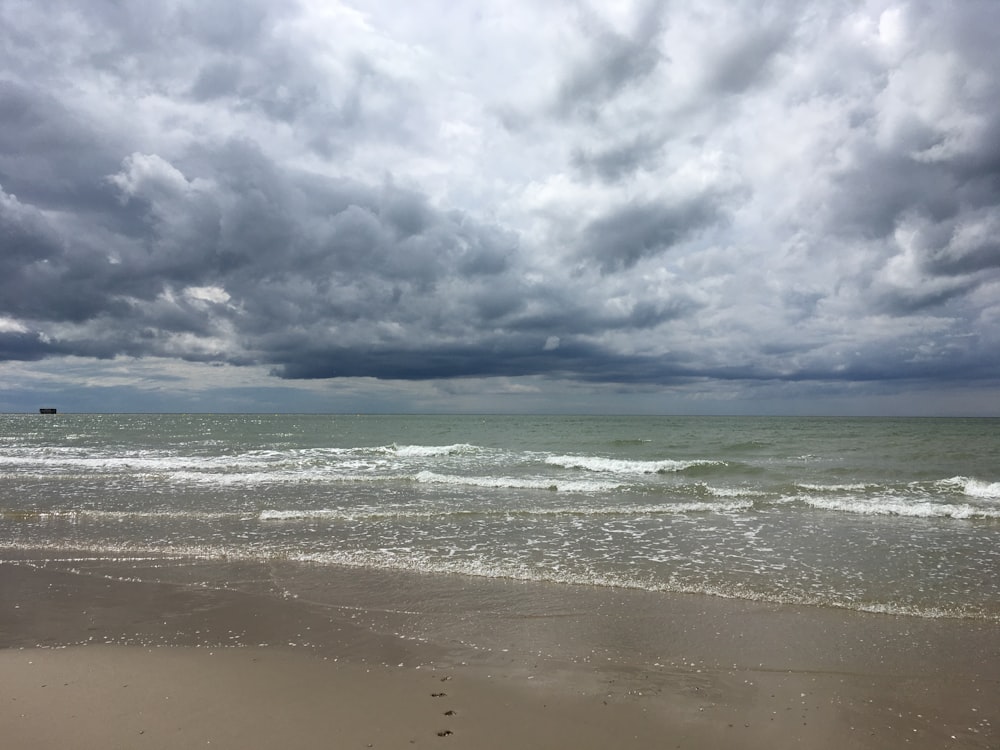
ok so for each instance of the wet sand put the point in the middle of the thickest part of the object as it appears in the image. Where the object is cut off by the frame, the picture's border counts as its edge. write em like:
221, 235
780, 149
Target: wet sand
91, 659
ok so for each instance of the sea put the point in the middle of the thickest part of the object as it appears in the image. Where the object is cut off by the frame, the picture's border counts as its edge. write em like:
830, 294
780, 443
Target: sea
894, 516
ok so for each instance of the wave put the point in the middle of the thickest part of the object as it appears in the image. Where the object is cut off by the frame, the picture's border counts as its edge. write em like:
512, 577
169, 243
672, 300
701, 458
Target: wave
430, 451
154, 463
973, 487
386, 559
519, 571
855, 487
31, 515
901, 507
157, 461
732, 491
517, 483
335, 475
93, 463
333, 514
626, 466
287, 476
915, 499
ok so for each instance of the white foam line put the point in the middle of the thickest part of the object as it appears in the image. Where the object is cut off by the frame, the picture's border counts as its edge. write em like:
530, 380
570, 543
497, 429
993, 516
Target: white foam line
859, 487
910, 509
387, 560
542, 483
973, 487
564, 511
623, 466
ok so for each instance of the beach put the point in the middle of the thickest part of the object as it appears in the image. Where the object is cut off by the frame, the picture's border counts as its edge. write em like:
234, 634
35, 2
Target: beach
260, 581
95, 657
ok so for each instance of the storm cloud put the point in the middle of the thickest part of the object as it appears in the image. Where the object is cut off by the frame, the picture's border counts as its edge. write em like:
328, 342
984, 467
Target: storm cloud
658, 195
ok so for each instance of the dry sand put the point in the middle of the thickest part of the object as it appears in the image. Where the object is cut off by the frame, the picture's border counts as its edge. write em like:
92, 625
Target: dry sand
89, 662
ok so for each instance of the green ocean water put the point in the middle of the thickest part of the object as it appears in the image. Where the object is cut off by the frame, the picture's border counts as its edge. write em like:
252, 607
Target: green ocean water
886, 515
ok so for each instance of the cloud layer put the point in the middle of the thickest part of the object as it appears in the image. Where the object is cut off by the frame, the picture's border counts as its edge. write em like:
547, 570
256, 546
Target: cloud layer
655, 195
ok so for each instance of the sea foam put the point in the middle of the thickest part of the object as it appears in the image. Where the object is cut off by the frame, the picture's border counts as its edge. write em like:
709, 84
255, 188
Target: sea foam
625, 466
430, 451
901, 507
974, 487
522, 483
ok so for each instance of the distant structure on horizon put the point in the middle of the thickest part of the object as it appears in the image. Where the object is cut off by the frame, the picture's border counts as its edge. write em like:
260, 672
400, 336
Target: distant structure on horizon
46, 410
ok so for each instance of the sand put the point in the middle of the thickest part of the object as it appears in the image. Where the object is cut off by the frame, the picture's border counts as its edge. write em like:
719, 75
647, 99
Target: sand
88, 661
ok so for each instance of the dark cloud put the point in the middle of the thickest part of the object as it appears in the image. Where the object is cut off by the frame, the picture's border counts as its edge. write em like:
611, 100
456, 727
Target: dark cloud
614, 62
746, 61
565, 314
51, 155
690, 195
914, 299
870, 198
619, 160
512, 357
23, 346
626, 235
276, 250
956, 246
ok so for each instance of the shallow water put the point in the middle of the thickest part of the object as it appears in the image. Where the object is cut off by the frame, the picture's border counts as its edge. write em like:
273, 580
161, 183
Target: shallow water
883, 515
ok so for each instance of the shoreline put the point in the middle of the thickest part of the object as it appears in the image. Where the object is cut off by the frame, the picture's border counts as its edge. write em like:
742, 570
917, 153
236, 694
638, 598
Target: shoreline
538, 665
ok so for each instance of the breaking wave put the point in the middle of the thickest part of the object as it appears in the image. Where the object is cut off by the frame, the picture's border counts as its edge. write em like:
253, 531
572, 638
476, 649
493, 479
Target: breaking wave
625, 466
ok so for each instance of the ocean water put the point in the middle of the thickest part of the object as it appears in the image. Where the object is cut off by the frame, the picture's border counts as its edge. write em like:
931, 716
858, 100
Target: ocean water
900, 516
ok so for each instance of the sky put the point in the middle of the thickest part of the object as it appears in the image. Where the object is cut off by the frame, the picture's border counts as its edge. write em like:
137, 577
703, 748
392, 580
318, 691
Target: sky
680, 207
